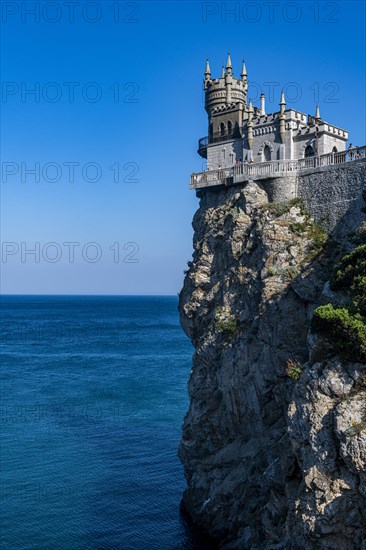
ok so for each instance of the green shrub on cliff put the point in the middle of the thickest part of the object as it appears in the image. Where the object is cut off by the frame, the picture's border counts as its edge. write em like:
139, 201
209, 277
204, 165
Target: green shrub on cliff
350, 275
299, 228
318, 236
225, 322
314, 232
346, 326
346, 331
293, 369
350, 267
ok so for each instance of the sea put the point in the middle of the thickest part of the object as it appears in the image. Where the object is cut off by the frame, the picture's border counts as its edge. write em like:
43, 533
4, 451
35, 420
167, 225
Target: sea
93, 396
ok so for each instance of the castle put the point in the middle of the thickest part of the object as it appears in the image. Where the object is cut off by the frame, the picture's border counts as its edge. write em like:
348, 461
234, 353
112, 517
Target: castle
237, 131
287, 153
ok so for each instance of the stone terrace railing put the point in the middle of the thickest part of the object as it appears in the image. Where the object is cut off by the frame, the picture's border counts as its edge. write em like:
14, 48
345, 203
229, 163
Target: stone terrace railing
246, 170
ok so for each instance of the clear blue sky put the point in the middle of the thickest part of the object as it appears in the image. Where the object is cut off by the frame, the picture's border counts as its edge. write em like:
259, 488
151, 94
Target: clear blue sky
158, 51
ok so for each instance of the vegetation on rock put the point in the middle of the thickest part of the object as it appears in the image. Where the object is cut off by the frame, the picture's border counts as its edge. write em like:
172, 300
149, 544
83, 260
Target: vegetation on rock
345, 327
346, 331
280, 208
309, 228
293, 369
225, 322
350, 275
357, 427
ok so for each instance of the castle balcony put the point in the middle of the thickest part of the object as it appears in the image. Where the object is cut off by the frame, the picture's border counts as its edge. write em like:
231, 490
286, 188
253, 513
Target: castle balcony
216, 137
243, 172
202, 147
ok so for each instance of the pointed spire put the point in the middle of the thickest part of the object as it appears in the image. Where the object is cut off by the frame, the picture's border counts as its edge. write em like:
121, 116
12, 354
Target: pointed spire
263, 104
250, 106
282, 118
282, 102
228, 63
243, 71
223, 72
207, 70
317, 111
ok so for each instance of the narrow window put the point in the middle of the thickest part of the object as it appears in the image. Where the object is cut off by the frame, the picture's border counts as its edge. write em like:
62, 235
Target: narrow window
266, 153
309, 151
222, 129
229, 127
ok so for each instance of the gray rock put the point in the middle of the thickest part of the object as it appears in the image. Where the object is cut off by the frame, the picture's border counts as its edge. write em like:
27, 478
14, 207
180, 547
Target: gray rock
270, 462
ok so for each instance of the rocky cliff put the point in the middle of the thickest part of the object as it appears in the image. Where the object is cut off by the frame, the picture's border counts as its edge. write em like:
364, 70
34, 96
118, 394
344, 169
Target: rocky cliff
274, 442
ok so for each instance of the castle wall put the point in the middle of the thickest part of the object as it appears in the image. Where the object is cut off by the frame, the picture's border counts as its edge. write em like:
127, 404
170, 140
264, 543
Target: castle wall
279, 189
331, 192
234, 115
266, 131
327, 142
225, 154
333, 195
301, 142
295, 143
268, 135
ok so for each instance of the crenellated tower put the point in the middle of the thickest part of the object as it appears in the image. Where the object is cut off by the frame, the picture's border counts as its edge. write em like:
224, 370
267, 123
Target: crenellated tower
225, 104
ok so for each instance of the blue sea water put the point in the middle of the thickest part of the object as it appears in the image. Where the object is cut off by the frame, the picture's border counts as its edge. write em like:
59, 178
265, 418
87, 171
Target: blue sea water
93, 394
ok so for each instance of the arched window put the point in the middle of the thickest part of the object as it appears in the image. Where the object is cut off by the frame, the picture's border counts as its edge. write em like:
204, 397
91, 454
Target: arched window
222, 129
334, 150
309, 151
229, 127
266, 153
211, 131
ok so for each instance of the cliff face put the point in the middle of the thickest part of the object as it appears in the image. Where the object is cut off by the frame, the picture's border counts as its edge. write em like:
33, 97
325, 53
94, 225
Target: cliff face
274, 442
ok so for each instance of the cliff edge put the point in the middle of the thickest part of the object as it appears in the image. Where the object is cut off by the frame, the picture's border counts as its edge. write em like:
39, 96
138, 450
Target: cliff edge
274, 442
